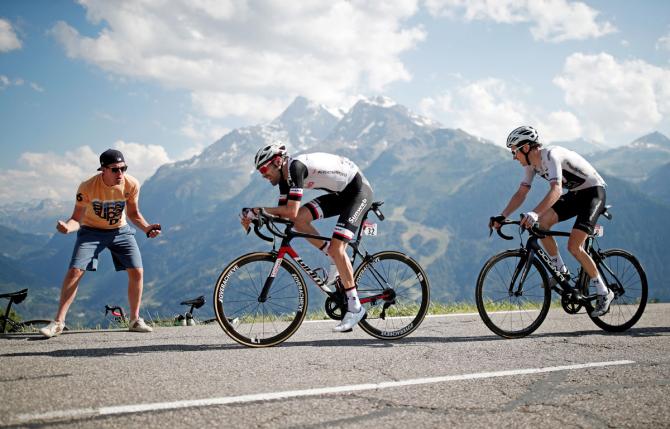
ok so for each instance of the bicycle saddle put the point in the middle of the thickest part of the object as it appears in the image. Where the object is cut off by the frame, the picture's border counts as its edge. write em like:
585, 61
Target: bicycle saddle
195, 302
17, 296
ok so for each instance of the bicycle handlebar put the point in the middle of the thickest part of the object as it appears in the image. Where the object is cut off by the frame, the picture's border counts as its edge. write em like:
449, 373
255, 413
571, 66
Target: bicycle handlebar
116, 311
535, 230
270, 221
502, 224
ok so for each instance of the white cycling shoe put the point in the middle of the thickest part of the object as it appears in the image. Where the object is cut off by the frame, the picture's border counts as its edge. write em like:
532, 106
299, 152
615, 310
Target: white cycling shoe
350, 320
603, 304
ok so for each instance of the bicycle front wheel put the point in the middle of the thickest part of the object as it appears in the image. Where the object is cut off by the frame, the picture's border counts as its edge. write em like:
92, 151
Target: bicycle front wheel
395, 292
240, 313
624, 275
506, 307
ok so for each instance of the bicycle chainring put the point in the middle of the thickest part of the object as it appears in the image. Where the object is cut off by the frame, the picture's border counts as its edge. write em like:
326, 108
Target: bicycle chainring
570, 305
336, 306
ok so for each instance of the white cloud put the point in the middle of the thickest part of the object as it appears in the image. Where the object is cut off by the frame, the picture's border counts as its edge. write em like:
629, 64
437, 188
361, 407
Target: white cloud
202, 130
491, 108
9, 41
47, 175
663, 43
559, 126
615, 98
237, 57
56, 176
36, 87
142, 160
552, 20
6, 82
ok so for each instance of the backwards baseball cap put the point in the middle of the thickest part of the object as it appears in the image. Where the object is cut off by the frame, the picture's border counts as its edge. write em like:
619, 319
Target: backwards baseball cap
110, 156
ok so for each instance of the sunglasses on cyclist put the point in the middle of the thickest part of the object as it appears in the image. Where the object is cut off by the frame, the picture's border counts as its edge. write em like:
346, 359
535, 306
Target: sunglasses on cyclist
516, 149
264, 168
117, 169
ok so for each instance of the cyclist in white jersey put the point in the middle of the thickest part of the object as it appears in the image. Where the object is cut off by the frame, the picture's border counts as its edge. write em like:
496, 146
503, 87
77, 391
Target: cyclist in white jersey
348, 194
585, 199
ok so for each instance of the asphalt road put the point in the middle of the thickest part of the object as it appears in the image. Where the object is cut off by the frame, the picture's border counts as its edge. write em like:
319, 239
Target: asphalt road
451, 371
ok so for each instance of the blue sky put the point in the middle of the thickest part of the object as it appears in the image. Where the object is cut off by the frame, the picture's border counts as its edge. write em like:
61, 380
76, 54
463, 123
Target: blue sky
161, 80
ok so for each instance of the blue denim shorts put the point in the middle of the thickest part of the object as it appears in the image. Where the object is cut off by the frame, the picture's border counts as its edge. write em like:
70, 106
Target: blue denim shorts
120, 242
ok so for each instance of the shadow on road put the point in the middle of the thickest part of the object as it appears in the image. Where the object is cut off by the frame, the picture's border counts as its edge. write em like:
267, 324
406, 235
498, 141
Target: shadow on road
330, 342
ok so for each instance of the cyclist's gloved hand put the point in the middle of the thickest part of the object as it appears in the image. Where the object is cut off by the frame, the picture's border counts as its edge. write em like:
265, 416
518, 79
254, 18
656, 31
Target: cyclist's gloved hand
246, 217
495, 221
248, 213
529, 219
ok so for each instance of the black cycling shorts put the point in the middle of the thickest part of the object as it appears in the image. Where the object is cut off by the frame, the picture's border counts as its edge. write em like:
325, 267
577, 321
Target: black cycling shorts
587, 204
351, 204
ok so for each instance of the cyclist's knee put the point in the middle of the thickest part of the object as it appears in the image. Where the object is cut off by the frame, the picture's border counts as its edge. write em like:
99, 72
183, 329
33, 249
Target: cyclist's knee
135, 273
304, 217
576, 242
75, 273
575, 247
548, 219
337, 247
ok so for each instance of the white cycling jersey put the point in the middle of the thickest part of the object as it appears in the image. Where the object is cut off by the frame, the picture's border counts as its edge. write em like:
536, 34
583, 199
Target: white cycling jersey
322, 171
318, 170
568, 168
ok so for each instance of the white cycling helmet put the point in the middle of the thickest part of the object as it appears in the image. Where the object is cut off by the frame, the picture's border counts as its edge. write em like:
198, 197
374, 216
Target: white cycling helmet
268, 152
526, 135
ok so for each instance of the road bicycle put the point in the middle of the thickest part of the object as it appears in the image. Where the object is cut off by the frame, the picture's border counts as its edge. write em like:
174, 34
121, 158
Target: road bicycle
514, 287
260, 299
8, 324
116, 312
188, 318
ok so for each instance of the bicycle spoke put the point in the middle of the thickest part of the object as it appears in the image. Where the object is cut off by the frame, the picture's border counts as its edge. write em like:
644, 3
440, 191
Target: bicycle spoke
259, 324
511, 312
401, 295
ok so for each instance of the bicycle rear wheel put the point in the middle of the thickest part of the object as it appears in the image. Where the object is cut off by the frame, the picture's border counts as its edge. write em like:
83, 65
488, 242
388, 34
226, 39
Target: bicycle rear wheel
395, 292
624, 275
503, 309
254, 323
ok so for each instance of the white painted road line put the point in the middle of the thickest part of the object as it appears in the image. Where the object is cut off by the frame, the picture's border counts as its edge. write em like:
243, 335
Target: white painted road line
270, 396
430, 316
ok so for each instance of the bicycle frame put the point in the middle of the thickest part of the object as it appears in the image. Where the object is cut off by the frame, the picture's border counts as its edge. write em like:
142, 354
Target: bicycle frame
16, 297
285, 249
534, 250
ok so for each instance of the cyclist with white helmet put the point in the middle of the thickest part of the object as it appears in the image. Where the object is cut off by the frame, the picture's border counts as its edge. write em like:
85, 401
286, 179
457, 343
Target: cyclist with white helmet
348, 194
584, 199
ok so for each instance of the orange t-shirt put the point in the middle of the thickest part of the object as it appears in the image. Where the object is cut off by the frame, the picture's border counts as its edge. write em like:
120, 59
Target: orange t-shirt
105, 205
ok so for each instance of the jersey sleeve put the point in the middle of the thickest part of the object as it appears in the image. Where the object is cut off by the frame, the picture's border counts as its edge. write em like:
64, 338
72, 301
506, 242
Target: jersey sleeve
528, 175
554, 169
83, 196
283, 193
297, 173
